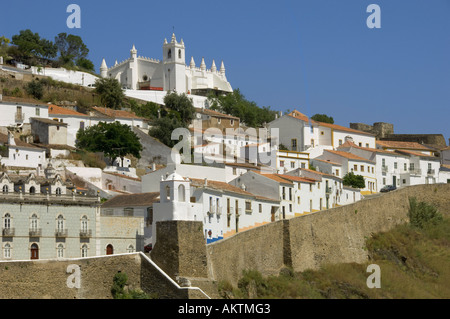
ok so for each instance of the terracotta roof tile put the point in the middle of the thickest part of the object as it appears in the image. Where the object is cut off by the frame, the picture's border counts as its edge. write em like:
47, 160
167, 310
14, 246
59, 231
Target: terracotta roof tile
116, 113
58, 110
139, 199
402, 145
349, 156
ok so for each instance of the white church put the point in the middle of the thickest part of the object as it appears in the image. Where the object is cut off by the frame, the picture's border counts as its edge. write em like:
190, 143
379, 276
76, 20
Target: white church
138, 75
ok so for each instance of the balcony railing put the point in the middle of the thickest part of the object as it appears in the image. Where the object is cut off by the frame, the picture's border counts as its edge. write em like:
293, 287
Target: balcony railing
61, 233
19, 116
384, 169
328, 190
415, 171
431, 171
85, 233
35, 232
8, 232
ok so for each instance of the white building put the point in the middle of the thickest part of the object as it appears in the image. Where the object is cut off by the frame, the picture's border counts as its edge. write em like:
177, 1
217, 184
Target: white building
68, 76
224, 209
356, 164
297, 132
423, 169
16, 153
16, 112
170, 73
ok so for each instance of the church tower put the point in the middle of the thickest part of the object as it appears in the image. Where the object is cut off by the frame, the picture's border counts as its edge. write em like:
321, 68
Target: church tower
174, 65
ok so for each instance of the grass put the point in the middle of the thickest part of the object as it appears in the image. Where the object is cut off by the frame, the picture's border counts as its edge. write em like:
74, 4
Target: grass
414, 261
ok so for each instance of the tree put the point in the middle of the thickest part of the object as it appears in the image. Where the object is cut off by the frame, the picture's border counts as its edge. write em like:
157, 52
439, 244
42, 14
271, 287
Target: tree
30, 44
163, 128
113, 139
323, 118
181, 104
110, 92
237, 105
85, 64
356, 181
71, 48
35, 88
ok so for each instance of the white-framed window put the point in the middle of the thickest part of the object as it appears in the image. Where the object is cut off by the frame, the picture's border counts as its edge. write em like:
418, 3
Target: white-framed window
60, 250
34, 222
7, 251
7, 221
60, 223
84, 250
5, 189
84, 223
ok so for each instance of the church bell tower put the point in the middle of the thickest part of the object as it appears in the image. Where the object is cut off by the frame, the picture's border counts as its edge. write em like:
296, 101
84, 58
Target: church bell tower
174, 65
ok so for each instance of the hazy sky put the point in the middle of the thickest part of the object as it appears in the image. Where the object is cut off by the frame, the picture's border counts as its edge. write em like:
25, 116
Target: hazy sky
316, 56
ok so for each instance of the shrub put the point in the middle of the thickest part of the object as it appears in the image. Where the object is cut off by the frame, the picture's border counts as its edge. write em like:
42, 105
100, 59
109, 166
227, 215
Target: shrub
35, 89
422, 214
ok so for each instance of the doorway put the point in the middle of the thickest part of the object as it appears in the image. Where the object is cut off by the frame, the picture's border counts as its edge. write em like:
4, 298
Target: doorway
109, 249
34, 251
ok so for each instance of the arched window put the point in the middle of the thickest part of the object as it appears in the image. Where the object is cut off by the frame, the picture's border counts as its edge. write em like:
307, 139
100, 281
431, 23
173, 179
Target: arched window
168, 192
5, 189
58, 191
34, 251
60, 223
179, 53
32, 190
60, 250
84, 250
7, 221
34, 223
109, 249
169, 54
7, 251
181, 193
84, 223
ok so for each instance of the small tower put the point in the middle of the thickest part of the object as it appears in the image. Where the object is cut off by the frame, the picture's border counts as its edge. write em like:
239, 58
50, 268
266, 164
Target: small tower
103, 69
174, 65
203, 65
213, 67
192, 64
222, 69
132, 72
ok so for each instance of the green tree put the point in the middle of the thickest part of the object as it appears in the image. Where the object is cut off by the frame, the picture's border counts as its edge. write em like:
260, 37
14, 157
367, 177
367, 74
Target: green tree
323, 118
30, 44
35, 88
110, 92
4, 45
85, 64
181, 104
71, 48
113, 139
163, 127
356, 181
237, 105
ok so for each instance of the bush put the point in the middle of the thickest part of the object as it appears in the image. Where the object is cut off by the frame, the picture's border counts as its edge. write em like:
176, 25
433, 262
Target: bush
118, 290
35, 89
422, 214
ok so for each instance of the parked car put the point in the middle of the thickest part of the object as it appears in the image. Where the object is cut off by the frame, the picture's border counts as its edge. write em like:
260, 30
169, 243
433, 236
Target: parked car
148, 248
388, 188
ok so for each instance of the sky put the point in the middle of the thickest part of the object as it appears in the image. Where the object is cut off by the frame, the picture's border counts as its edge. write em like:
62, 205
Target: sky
316, 56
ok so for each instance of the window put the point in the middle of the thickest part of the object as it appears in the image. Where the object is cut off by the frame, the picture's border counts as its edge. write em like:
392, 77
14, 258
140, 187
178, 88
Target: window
168, 192
322, 133
58, 191
60, 250
231, 122
7, 221
362, 168
60, 223
234, 171
260, 208
337, 172
179, 53
7, 251
281, 163
38, 111
283, 192
149, 216
219, 120
384, 180
355, 168
372, 170
169, 54
292, 164
310, 187
395, 165
84, 250
298, 200
359, 144
405, 167
248, 206
290, 208
294, 144
340, 142
34, 223
367, 145
383, 162
128, 211
84, 223
181, 193
82, 125
5, 189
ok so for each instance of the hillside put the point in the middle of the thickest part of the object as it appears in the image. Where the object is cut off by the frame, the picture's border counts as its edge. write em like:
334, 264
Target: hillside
413, 262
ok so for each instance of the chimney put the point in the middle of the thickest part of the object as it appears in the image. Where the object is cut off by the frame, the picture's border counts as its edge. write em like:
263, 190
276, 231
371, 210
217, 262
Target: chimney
206, 182
153, 167
243, 187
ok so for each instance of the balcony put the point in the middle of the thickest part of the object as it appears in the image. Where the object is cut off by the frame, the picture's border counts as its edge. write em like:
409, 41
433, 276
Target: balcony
8, 232
219, 210
19, 116
415, 171
61, 233
384, 169
35, 232
431, 172
86, 233
328, 190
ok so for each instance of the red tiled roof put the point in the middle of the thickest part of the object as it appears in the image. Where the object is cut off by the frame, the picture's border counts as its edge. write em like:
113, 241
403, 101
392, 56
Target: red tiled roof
402, 145
116, 113
298, 178
58, 110
349, 156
